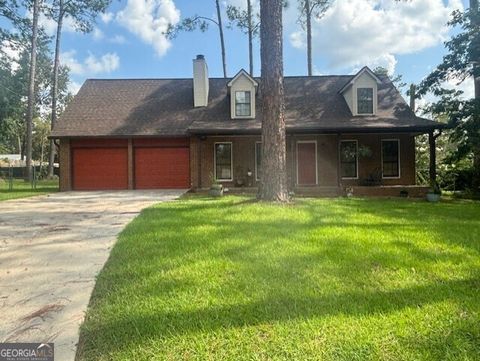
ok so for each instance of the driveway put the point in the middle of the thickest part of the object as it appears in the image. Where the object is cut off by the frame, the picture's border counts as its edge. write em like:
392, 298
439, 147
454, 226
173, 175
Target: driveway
51, 249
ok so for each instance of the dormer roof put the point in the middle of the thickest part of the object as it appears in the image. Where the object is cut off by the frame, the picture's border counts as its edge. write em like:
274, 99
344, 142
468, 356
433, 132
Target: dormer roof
242, 72
365, 69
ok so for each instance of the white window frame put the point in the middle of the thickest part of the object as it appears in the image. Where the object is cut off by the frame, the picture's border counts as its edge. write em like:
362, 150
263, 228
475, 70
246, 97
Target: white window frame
215, 161
399, 157
373, 100
316, 161
340, 157
235, 104
257, 178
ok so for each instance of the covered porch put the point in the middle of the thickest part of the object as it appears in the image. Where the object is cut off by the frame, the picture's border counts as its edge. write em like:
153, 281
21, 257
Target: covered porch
333, 164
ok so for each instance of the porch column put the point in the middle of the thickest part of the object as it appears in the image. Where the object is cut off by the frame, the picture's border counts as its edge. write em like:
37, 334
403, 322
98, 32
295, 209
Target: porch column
195, 162
433, 157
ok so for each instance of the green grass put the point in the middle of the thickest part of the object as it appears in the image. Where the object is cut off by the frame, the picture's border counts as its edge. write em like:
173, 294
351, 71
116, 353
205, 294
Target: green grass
22, 189
321, 279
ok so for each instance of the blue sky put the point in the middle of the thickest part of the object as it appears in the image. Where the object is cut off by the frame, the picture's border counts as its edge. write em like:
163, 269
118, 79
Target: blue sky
406, 37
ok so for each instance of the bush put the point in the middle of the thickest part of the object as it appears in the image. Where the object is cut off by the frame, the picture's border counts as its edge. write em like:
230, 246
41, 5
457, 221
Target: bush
454, 179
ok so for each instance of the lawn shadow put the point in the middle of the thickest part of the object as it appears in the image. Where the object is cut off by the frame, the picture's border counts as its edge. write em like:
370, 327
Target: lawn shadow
310, 243
277, 307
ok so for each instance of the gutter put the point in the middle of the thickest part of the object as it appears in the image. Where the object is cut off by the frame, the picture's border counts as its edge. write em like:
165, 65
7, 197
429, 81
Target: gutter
292, 130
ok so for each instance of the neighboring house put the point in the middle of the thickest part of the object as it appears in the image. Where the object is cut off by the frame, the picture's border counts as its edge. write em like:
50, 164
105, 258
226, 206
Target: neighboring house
342, 131
7, 160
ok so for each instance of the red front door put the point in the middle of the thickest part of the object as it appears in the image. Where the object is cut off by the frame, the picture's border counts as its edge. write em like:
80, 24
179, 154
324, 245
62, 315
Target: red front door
307, 163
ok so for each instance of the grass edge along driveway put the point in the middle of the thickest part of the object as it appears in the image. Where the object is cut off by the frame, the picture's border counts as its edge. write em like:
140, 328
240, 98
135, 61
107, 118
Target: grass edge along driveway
329, 279
22, 189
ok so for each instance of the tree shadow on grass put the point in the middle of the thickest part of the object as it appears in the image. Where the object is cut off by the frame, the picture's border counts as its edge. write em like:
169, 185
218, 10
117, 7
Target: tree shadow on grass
194, 232
134, 328
188, 234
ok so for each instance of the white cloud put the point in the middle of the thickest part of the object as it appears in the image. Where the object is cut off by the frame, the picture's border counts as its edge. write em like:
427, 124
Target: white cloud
50, 26
467, 87
297, 39
118, 39
354, 33
68, 58
106, 17
149, 20
242, 4
74, 87
11, 53
91, 65
105, 64
97, 34
387, 61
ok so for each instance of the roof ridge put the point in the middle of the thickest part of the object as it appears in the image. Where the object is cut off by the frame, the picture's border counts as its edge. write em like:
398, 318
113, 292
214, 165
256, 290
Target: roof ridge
221, 78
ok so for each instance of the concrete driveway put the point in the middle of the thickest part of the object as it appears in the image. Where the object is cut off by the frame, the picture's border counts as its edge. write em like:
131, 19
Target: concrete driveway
51, 249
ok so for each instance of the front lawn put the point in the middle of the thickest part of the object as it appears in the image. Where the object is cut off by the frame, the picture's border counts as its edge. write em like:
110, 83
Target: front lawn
321, 279
22, 189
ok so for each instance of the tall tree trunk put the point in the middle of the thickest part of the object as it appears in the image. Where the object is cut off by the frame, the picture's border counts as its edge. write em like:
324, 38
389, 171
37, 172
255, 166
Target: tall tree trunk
308, 13
31, 88
56, 65
222, 40
250, 37
273, 185
474, 8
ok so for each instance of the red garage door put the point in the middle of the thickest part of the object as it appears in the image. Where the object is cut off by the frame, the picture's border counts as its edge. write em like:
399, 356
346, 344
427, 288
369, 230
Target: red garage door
99, 168
162, 167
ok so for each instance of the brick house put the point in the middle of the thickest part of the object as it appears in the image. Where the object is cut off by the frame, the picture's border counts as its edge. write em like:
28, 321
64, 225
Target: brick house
342, 131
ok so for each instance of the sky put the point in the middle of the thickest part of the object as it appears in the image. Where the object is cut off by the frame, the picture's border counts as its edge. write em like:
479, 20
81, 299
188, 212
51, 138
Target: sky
128, 40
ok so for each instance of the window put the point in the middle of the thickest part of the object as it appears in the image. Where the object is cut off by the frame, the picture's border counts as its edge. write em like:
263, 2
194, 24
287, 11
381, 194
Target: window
365, 100
348, 158
258, 160
223, 161
390, 158
243, 104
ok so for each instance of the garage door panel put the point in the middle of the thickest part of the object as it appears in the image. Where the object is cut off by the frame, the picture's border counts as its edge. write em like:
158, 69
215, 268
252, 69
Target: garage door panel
162, 168
100, 168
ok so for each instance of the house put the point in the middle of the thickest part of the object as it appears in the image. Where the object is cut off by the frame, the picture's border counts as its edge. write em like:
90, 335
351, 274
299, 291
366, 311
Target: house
342, 131
10, 159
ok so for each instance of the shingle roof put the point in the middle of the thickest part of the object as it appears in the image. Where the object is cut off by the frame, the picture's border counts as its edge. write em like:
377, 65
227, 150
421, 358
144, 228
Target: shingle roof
149, 107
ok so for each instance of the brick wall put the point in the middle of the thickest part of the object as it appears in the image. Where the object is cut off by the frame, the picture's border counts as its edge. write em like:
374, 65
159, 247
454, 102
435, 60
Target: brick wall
373, 164
243, 155
243, 148
65, 182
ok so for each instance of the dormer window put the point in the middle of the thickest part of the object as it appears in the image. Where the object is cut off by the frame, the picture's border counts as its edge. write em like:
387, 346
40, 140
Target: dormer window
361, 92
243, 104
242, 89
365, 100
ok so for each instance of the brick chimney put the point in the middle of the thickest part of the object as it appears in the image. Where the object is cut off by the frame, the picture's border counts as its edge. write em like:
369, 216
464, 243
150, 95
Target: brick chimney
200, 82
